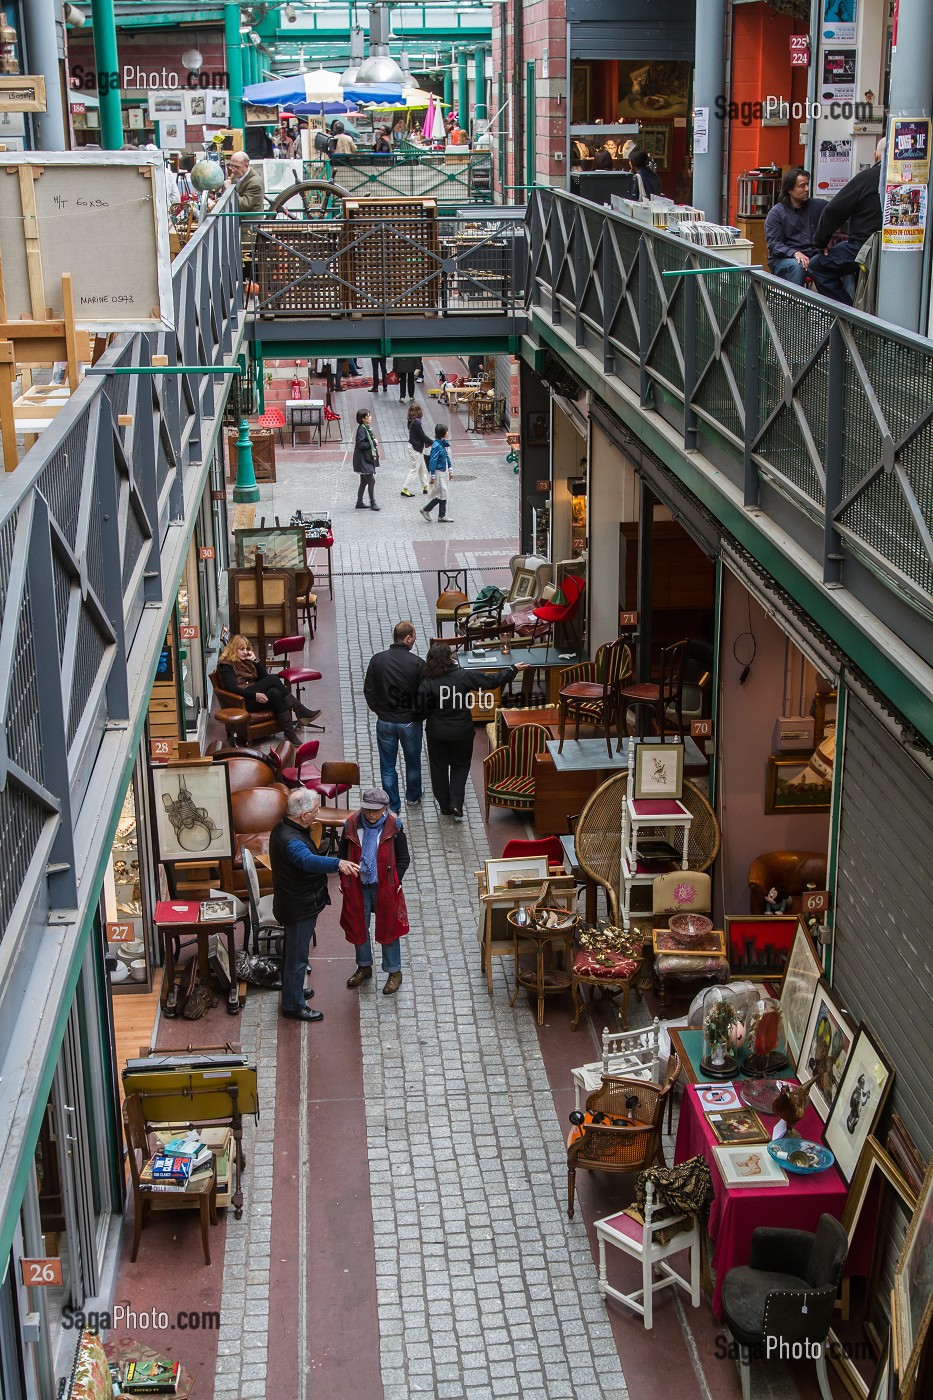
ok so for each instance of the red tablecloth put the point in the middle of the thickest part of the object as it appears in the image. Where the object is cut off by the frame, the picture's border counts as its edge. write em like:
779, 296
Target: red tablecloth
736, 1211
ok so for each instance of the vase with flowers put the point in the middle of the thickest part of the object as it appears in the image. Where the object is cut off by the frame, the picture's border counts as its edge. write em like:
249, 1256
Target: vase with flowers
723, 1034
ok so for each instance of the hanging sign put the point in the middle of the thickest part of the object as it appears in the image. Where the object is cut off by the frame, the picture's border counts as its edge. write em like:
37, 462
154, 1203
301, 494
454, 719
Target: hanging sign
839, 18
700, 131
800, 51
188, 631
120, 933
206, 551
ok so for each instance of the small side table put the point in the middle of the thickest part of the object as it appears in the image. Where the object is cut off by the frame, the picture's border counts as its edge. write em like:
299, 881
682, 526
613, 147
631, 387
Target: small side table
176, 917
543, 981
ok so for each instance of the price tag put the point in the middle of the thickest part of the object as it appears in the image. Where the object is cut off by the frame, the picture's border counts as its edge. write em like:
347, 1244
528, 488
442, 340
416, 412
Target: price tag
628, 619
160, 750
42, 1273
188, 631
120, 933
815, 901
701, 729
206, 551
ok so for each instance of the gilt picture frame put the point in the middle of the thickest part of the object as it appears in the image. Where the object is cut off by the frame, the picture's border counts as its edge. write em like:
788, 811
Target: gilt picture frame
824, 1052
802, 973
913, 1287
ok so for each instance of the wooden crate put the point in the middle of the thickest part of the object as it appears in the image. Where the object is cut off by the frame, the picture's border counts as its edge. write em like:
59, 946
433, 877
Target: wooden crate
263, 444
288, 280
391, 255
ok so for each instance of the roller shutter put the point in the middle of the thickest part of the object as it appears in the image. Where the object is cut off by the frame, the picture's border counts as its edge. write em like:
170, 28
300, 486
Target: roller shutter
883, 947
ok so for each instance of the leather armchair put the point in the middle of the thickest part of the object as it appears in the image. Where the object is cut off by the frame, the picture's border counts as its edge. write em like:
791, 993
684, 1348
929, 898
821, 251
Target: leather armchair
786, 1292
242, 726
790, 871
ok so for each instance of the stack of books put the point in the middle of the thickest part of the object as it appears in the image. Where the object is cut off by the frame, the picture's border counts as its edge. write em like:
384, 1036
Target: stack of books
182, 1161
158, 1377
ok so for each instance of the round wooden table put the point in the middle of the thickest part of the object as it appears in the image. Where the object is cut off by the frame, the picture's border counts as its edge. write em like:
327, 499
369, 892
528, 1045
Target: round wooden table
543, 981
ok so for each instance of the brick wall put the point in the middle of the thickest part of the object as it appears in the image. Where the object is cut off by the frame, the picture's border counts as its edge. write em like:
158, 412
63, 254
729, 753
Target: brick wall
151, 51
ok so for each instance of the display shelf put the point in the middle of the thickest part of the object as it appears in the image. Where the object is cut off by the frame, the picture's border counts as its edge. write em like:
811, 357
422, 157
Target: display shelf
666, 817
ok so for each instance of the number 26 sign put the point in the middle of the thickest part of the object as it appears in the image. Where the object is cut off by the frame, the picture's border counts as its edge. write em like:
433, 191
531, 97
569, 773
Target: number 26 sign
42, 1273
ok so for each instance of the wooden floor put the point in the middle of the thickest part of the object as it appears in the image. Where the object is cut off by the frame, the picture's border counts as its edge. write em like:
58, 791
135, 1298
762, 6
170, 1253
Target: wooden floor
134, 1016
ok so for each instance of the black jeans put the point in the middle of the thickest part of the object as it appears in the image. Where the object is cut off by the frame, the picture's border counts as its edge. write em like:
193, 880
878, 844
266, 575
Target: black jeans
370, 482
406, 384
279, 697
449, 760
294, 962
379, 368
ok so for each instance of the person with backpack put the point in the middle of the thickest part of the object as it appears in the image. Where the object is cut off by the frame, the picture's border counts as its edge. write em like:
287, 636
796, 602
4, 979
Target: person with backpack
365, 459
419, 446
439, 472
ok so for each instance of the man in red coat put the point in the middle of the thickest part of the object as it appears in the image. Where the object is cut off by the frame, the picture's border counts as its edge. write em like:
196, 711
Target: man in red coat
380, 847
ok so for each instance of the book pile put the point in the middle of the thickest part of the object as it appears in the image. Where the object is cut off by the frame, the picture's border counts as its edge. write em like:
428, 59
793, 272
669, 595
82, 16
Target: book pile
158, 1377
181, 1161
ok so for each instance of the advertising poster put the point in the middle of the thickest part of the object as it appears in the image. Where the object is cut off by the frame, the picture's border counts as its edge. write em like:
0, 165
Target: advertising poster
907, 174
838, 75
700, 131
905, 217
909, 154
839, 17
833, 167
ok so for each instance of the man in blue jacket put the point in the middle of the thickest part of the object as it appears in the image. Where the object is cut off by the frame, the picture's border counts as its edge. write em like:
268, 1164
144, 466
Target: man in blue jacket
299, 893
790, 228
439, 471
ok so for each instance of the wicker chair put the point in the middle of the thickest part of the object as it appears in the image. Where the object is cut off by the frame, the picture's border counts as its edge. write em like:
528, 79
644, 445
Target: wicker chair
598, 837
509, 771
621, 1148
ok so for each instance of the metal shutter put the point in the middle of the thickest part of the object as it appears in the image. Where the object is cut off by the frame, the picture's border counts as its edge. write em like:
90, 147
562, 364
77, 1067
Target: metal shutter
882, 961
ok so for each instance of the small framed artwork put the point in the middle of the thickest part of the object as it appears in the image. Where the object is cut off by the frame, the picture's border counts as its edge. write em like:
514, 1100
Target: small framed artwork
802, 972
824, 716
136, 118
166, 104
759, 944
659, 770
196, 107
537, 429
865, 1084
793, 786
500, 872
745, 1165
737, 1125
280, 549
523, 585
218, 107
825, 1048
171, 134
655, 138
219, 910
913, 1296
192, 808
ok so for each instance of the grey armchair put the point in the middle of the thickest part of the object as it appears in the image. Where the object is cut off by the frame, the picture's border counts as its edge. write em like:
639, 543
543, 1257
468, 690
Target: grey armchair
786, 1295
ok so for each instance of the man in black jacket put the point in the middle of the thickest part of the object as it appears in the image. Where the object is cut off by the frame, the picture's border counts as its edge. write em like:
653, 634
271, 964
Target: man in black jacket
391, 691
299, 893
860, 205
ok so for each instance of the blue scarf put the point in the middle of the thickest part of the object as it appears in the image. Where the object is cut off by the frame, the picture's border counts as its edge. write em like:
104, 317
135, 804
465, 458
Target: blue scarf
370, 835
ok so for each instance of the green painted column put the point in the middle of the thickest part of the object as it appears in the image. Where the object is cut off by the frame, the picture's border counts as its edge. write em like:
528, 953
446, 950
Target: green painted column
479, 60
234, 60
246, 490
105, 59
463, 89
449, 84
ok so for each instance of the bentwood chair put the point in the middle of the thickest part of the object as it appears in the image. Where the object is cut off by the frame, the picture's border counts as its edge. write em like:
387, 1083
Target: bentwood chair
660, 696
595, 698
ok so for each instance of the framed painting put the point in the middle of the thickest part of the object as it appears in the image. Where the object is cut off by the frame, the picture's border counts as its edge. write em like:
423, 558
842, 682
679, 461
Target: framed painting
824, 716
759, 944
523, 585
659, 770
865, 1084
793, 786
579, 93
537, 429
747, 1165
824, 1052
500, 872
656, 140
280, 548
802, 972
913, 1287
192, 811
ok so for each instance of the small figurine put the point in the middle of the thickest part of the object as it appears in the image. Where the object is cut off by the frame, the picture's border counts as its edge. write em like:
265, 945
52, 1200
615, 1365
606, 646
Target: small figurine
777, 901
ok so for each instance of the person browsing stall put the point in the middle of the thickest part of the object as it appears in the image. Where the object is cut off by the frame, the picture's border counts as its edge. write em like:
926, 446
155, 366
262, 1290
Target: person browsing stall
790, 228
247, 182
391, 692
377, 848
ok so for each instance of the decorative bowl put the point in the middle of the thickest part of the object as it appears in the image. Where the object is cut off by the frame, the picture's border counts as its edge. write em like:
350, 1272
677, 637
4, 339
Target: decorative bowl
687, 928
120, 973
798, 1155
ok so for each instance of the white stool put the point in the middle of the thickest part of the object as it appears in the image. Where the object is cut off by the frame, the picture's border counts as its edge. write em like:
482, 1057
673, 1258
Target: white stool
639, 1242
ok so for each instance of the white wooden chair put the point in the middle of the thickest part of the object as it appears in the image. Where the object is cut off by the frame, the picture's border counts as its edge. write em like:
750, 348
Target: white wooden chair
640, 1242
626, 1055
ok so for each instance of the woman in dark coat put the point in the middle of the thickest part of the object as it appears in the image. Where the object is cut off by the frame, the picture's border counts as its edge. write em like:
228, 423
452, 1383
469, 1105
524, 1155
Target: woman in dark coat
646, 180
443, 699
239, 672
365, 459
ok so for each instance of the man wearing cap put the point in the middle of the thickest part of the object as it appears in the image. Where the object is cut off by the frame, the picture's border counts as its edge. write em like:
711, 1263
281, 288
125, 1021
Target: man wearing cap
375, 844
299, 893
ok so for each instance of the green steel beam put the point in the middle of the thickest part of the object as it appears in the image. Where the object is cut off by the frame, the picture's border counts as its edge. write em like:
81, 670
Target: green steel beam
105, 59
903, 693
463, 89
449, 82
234, 61
366, 349
479, 61
531, 122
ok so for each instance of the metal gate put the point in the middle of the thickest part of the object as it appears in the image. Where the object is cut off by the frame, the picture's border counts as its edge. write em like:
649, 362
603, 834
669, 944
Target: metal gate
882, 961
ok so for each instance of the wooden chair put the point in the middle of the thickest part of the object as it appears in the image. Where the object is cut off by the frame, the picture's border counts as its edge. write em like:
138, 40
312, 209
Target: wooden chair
644, 1243
242, 726
612, 974
306, 599
451, 594
202, 1191
336, 780
624, 1148
595, 698
626, 1055
509, 771
660, 695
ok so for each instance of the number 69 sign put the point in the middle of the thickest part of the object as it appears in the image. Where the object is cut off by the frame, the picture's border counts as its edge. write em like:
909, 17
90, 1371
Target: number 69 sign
41, 1273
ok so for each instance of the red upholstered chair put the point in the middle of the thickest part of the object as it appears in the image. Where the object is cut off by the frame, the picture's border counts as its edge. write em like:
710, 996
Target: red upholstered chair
509, 773
337, 778
294, 676
304, 773
573, 589
550, 846
594, 696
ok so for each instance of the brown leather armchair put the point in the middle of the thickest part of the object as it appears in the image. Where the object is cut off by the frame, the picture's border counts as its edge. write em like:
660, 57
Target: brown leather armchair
255, 812
790, 871
241, 725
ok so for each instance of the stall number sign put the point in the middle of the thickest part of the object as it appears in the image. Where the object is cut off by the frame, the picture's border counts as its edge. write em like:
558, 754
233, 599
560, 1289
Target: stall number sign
42, 1273
119, 933
188, 631
160, 750
815, 901
543, 487
701, 729
800, 51
206, 551
628, 619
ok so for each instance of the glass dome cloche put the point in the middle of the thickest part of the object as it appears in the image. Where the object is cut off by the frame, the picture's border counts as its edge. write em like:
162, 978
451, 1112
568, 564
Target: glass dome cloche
725, 1016
765, 1041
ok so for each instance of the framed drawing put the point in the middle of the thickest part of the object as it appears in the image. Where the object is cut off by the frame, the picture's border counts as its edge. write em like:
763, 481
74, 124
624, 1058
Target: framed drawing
659, 770
913, 1286
280, 548
579, 93
793, 786
523, 585
192, 808
865, 1084
824, 1050
745, 1165
802, 972
656, 140
500, 872
759, 944
537, 429
824, 716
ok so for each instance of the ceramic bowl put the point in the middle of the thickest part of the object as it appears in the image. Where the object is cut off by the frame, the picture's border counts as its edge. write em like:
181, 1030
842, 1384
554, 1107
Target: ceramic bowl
120, 973
687, 928
130, 951
138, 969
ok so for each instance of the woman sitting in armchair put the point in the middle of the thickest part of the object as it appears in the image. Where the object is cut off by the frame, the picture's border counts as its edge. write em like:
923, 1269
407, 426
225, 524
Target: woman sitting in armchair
239, 671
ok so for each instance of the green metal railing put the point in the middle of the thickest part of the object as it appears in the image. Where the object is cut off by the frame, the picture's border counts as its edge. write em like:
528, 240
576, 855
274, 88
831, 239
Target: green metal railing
450, 179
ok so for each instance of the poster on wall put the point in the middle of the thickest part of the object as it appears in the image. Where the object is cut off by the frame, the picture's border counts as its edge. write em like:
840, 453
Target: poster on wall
838, 83
700, 131
907, 173
839, 17
909, 152
171, 135
833, 167
905, 217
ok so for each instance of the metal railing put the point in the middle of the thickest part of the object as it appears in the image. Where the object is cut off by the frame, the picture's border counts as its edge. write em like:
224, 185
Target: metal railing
790, 393
450, 179
84, 520
371, 266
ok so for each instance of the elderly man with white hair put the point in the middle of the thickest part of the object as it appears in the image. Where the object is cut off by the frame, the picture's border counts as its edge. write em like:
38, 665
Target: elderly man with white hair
248, 184
299, 893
